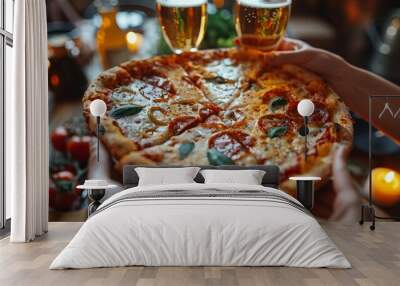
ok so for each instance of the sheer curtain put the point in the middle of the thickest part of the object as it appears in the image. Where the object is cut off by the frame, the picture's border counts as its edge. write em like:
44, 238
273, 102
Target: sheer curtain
27, 124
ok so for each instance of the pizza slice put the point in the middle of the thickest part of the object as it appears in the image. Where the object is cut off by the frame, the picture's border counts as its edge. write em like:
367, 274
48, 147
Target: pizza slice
165, 73
221, 80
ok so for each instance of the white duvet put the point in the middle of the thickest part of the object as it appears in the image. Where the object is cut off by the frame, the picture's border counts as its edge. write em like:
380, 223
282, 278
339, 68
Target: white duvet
200, 231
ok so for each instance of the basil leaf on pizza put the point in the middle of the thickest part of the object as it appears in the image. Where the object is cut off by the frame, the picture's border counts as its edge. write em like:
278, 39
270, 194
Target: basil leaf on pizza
125, 110
277, 131
277, 103
216, 158
185, 149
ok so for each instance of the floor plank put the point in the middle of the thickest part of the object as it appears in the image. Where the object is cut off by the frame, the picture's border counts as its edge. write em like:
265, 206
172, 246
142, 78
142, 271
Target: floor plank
375, 257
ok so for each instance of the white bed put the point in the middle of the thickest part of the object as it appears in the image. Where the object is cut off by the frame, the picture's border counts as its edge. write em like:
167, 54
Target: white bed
207, 230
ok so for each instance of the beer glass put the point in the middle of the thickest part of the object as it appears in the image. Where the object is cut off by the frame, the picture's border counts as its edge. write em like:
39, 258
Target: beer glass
261, 24
183, 23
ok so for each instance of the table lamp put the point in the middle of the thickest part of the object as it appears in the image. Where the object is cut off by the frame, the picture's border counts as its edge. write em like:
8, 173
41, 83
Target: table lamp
305, 108
98, 108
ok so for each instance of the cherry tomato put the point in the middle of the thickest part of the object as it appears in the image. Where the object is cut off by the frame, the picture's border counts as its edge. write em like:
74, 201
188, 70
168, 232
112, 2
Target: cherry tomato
59, 138
79, 148
63, 175
60, 168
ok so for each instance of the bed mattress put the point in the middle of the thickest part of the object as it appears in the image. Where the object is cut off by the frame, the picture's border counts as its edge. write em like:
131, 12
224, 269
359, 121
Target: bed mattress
201, 225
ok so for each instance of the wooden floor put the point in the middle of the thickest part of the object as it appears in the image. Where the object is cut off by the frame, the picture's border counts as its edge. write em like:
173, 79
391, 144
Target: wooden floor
375, 257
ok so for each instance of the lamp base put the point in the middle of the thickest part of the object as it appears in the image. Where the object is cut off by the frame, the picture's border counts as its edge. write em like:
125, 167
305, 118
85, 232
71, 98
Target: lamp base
95, 195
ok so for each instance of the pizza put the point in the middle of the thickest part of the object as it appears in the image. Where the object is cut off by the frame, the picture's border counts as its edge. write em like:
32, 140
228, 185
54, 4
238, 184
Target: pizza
218, 107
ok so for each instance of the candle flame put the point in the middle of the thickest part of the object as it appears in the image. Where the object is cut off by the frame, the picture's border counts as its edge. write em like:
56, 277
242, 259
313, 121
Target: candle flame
389, 177
131, 37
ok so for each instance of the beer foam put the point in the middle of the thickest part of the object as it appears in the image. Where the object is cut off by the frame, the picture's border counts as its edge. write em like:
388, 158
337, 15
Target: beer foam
265, 3
181, 3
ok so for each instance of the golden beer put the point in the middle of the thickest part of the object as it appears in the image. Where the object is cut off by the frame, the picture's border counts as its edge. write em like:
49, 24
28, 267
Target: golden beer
261, 24
183, 23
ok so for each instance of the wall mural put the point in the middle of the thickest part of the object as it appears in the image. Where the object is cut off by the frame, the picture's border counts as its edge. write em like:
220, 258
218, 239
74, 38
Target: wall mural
217, 107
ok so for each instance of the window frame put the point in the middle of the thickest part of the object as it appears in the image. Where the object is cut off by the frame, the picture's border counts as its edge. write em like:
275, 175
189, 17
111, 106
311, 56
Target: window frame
6, 39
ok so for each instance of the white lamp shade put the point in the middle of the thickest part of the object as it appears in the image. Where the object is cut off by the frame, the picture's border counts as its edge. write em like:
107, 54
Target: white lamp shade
98, 107
305, 107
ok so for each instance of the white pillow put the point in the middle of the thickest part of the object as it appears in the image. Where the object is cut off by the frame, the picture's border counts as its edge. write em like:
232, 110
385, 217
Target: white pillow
248, 177
166, 176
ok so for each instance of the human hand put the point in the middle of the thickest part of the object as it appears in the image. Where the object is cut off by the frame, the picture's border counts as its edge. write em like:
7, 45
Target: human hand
352, 84
291, 51
343, 203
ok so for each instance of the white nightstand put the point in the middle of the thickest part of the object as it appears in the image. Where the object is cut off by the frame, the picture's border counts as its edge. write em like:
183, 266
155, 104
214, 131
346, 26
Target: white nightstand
305, 190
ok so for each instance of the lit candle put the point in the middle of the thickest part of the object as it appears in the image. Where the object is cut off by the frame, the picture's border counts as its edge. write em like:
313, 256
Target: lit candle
133, 41
219, 3
385, 186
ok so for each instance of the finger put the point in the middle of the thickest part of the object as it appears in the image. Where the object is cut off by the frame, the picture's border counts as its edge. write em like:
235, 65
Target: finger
346, 207
346, 213
287, 44
347, 196
292, 45
312, 59
286, 57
